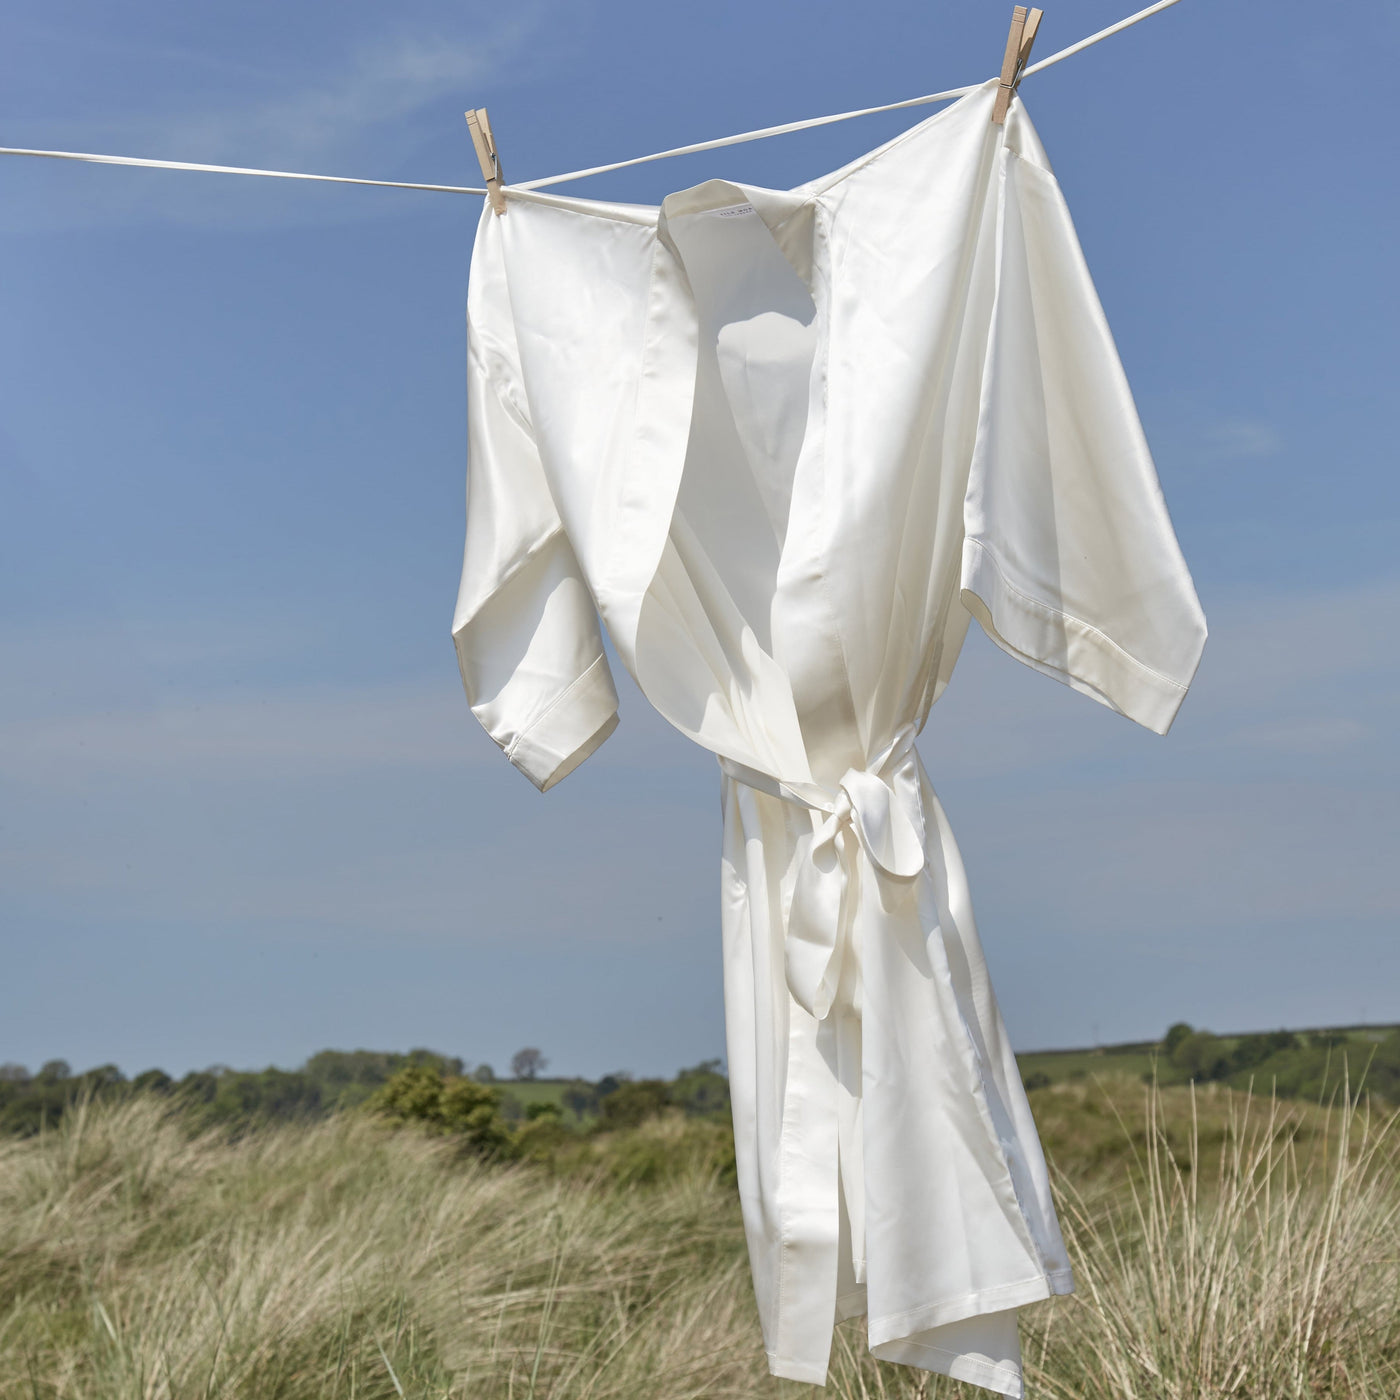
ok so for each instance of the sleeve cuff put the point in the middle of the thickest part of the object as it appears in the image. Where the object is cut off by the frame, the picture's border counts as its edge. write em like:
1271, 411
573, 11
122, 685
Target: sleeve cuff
570, 730
1072, 652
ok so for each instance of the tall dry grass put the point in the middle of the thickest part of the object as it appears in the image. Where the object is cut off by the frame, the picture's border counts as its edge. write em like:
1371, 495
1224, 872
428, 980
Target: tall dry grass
1245, 1251
1258, 1259
341, 1260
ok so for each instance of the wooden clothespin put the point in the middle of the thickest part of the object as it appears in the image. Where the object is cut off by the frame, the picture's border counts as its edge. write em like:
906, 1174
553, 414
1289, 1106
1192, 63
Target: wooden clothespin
485, 145
1013, 63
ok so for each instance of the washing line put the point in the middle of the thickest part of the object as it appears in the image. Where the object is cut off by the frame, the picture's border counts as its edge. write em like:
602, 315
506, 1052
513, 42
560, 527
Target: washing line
739, 139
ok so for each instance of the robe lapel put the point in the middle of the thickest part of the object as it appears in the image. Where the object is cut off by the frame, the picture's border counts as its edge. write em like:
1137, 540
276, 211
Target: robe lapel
650, 482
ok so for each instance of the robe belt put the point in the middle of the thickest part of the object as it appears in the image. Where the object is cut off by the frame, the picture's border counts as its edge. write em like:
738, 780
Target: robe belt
877, 812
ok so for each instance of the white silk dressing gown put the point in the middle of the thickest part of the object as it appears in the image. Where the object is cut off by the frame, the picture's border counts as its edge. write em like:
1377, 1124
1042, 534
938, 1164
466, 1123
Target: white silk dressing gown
787, 444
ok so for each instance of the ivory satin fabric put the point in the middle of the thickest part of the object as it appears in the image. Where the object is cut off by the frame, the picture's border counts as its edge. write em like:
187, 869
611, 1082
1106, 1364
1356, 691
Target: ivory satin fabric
786, 445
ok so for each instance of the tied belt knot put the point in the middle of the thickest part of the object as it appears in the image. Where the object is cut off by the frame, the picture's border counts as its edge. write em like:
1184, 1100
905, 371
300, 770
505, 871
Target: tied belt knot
876, 818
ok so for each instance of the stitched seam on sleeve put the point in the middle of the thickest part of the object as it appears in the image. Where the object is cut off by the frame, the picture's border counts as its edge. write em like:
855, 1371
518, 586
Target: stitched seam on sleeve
1086, 627
552, 706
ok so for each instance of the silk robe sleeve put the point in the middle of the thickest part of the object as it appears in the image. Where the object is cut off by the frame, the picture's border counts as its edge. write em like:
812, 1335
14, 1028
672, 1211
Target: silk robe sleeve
1070, 562
526, 629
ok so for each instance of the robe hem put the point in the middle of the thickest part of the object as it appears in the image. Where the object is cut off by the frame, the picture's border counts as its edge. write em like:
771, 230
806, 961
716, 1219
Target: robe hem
888, 1335
893, 1327
789, 1370
957, 1365
1065, 647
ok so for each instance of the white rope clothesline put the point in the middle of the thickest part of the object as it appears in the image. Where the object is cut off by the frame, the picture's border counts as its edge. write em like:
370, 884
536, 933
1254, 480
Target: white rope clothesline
739, 139
803, 125
809, 122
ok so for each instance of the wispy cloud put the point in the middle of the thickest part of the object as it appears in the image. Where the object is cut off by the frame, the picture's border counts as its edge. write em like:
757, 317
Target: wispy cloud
363, 113
1187, 434
248, 739
377, 804
218, 700
365, 807
377, 88
1239, 439
1299, 674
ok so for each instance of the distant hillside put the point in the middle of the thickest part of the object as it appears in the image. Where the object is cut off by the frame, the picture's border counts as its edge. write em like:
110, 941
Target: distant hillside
1295, 1064
1310, 1064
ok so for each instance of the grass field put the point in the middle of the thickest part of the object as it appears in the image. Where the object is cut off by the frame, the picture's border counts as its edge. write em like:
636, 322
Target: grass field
1223, 1247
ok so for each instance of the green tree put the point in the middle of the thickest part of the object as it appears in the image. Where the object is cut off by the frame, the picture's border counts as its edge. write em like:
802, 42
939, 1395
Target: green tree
580, 1099
1175, 1035
1383, 1073
702, 1091
414, 1094
349, 1076
198, 1086
470, 1111
611, 1083
1201, 1056
1252, 1050
528, 1063
446, 1065
633, 1103
98, 1079
457, 1106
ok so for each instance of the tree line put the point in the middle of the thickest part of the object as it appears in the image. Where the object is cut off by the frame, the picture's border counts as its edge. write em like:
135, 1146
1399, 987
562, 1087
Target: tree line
1310, 1064
334, 1081
441, 1089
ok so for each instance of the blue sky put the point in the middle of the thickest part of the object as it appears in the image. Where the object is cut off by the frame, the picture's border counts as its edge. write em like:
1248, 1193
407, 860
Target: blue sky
244, 810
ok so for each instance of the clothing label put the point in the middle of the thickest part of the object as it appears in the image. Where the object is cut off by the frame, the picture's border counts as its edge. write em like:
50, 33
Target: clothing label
733, 211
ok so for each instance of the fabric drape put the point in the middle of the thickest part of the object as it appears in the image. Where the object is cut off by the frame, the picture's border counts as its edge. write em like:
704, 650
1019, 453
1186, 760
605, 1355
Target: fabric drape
783, 446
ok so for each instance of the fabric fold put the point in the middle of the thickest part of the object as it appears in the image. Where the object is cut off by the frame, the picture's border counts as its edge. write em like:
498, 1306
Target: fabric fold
875, 813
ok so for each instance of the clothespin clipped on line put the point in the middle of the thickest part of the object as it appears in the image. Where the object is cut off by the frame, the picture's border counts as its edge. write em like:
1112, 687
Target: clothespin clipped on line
1013, 63
485, 143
